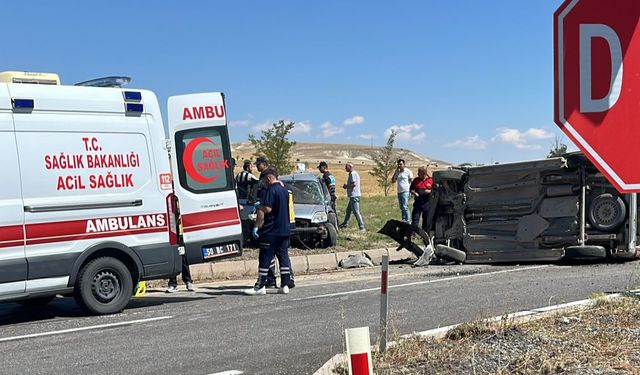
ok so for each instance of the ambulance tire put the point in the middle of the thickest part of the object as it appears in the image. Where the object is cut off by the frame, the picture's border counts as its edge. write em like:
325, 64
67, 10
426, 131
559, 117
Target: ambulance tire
36, 302
103, 286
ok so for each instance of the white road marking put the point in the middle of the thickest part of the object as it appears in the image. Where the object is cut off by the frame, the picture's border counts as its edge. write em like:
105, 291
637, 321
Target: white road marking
230, 372
100, 326
422, 282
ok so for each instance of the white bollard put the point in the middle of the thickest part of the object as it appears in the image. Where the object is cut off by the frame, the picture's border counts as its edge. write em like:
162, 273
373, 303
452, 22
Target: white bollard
359, 351
384, 303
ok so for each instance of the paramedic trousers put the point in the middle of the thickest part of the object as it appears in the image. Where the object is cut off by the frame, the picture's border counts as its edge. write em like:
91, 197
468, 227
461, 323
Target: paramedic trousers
186, 273
270, 246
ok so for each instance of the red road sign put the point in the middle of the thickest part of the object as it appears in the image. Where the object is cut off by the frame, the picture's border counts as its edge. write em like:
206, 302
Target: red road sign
597, 84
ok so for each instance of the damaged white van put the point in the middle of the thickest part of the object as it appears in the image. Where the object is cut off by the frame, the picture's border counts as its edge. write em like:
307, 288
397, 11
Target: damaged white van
88, 205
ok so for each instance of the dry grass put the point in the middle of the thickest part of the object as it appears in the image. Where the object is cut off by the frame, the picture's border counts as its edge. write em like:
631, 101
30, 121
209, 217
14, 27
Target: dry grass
602, 339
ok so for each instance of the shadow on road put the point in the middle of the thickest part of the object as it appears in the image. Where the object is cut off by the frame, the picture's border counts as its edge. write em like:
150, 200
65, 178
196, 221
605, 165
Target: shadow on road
13, 313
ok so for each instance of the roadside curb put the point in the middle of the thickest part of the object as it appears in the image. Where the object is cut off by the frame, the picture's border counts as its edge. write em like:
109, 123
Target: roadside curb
301, 264
523, 316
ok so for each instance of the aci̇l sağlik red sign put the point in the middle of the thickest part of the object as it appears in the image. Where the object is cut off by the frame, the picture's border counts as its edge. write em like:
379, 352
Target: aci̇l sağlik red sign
203, 160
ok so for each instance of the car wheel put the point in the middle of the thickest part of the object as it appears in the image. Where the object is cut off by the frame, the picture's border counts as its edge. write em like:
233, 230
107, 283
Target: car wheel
451, 253
332, 236
607, 212
448, 175
332, 218
36, 302
104, 286
585, 252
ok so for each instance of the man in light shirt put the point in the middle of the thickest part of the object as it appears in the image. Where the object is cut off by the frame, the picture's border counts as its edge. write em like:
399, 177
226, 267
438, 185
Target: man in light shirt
403, 177
353, 192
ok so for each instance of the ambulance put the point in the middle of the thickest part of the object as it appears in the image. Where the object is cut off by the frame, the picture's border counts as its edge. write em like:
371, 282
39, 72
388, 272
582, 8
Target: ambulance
94, 198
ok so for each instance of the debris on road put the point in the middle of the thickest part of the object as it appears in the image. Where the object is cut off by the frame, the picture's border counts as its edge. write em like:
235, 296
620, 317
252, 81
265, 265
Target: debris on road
356, 261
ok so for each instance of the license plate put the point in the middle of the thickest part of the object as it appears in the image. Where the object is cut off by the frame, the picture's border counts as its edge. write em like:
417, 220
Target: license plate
216, 251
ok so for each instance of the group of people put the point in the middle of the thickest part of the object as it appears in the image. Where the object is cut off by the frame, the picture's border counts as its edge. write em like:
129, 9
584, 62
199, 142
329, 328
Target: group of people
272, 227
419, 188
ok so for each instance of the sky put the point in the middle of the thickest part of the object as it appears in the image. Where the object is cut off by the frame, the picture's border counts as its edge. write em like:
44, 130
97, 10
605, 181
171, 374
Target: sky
461, 81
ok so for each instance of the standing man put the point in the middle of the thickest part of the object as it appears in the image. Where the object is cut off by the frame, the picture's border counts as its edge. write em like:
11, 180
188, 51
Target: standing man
353, 192
403, 176
245, 180
330, 181
273, 231
421, 192
262, 163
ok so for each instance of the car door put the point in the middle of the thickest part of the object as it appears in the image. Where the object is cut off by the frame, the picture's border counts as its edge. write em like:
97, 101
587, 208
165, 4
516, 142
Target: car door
13, 264
203, 176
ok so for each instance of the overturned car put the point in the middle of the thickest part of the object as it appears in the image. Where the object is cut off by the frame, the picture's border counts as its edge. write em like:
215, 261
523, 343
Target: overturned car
540, 210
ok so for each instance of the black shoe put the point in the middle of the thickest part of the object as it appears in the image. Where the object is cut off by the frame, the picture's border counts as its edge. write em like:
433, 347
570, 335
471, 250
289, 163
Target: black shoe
342, 226
292, 284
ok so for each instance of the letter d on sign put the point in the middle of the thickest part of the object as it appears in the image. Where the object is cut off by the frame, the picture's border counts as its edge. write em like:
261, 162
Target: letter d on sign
587, 102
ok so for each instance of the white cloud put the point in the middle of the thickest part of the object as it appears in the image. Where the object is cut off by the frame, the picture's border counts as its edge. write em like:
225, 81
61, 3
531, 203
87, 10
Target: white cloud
408, 133
239, 123
302, 127
469, 143
329, 130
355, 120
257, 128
522, 140
368, 136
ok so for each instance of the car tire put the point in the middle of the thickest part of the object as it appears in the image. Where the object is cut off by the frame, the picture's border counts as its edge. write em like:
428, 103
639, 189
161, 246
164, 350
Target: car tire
448, 175
36, 302
104, 286
607, 212
332, 218
332, 236
585, 252
451, 253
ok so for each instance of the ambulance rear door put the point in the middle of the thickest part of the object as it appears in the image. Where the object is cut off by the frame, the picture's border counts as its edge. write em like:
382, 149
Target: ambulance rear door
203, 177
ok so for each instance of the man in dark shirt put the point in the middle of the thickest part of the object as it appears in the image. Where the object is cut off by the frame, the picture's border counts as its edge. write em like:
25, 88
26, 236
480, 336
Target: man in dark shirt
330, 181
421, 191
273, 230
246, 181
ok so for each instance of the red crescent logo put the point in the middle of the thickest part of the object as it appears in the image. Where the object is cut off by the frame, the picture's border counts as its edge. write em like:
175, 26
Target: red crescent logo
187, 160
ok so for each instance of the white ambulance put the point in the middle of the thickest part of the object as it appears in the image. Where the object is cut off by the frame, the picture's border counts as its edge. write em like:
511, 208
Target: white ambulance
87, 201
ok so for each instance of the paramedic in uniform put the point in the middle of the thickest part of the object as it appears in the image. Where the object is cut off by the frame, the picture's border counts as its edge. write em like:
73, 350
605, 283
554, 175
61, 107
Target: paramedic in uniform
262, 163
273, 232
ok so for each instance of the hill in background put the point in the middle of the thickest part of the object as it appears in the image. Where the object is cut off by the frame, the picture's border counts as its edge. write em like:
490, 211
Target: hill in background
313, 153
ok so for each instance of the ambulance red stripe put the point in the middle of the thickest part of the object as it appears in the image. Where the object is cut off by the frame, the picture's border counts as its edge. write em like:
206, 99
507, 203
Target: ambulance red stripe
211, 225
74, 230
11, 233
90, 236
222, 217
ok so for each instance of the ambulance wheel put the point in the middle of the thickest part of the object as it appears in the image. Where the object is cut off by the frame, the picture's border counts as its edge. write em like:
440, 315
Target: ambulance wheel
103, 286
36, 302
332, 236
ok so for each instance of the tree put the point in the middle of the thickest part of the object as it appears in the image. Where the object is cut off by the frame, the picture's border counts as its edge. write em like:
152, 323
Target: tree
557, 148
385, 161
274, 144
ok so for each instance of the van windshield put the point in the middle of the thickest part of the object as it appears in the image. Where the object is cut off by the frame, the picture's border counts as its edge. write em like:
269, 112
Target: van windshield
204, 159
305, 192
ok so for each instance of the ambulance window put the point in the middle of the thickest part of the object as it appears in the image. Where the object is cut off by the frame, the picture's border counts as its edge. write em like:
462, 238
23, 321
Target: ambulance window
204, 159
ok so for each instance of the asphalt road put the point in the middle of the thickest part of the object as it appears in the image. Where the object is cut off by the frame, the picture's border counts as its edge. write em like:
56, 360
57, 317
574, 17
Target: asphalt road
217, 329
